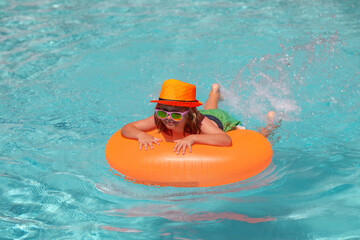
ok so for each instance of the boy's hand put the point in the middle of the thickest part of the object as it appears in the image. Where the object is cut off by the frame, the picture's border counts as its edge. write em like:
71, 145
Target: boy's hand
182, 144
147, 140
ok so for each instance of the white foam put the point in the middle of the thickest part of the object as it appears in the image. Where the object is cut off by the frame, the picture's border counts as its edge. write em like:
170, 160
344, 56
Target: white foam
273, 82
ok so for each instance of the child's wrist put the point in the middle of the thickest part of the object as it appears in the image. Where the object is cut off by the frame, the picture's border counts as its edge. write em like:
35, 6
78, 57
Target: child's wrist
140, 134
193, 138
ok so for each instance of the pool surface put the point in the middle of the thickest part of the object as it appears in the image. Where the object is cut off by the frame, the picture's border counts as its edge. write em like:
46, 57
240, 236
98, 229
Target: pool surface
73, 72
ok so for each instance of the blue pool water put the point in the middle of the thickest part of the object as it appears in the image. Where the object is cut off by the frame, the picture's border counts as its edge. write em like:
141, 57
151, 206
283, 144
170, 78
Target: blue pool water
74, 72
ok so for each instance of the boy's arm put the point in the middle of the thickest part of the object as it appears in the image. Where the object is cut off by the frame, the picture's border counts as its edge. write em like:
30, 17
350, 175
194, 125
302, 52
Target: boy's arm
212, 135
135, 129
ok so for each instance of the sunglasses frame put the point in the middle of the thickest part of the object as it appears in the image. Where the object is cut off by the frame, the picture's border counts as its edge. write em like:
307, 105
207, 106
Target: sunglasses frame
169, 113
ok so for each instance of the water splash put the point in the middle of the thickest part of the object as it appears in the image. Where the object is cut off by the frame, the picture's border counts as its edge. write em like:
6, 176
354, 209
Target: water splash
274, 81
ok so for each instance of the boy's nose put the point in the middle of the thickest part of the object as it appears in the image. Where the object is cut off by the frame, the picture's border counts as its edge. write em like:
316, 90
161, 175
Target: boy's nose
168, 117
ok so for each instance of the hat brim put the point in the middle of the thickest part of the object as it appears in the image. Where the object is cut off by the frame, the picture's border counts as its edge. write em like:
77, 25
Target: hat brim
195, 103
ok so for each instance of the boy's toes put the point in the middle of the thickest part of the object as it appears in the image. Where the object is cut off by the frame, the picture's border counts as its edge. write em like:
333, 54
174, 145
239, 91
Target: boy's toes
271, 115
215, 87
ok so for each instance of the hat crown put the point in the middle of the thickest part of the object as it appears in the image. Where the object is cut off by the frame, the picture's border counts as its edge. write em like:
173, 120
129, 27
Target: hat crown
173, 89
177, 93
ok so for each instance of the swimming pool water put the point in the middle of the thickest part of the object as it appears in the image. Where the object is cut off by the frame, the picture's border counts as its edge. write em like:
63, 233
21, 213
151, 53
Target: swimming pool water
74, 72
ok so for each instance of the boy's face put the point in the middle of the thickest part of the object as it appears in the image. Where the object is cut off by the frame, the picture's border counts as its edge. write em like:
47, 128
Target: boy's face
169, 122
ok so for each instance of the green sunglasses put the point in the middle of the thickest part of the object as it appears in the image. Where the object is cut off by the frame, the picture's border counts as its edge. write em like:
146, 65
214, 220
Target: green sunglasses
176, 116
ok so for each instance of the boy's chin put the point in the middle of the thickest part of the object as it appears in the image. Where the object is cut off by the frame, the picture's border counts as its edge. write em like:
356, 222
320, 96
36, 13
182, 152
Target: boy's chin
171, 125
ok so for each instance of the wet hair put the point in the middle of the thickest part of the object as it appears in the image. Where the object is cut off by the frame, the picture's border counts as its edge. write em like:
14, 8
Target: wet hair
193, 120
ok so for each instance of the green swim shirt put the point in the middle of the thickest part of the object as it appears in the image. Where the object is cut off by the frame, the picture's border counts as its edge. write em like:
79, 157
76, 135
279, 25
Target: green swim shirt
229, 122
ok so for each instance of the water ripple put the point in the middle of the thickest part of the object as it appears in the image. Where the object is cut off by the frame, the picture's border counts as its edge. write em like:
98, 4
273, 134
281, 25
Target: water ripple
137, 191
168, 212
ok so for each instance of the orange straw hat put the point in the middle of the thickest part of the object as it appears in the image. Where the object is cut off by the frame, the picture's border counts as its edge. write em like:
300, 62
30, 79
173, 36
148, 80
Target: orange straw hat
178, 93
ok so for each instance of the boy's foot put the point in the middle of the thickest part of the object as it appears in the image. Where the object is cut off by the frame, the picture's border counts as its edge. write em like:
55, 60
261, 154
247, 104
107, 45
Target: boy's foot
270, 118
270, 127
215, 89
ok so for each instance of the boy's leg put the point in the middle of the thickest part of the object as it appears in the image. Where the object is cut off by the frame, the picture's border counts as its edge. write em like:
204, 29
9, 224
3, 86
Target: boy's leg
214, 95
270, 127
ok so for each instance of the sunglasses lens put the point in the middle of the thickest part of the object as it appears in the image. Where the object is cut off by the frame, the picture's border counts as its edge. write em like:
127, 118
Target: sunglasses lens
161, 114
176, 116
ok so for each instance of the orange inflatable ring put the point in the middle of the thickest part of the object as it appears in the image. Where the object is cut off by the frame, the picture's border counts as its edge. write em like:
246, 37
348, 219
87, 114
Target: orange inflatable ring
206, 166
